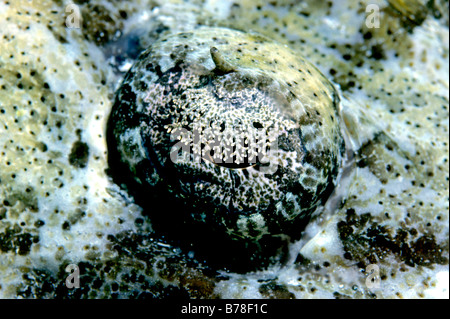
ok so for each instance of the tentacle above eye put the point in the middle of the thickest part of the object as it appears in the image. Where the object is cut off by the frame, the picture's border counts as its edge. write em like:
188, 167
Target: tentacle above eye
222, 66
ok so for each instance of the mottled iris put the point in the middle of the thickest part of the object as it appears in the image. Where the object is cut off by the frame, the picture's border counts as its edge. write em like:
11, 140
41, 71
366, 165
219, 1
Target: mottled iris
228, 140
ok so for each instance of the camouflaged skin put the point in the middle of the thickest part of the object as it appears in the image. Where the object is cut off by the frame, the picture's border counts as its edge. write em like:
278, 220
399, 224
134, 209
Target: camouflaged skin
59, 206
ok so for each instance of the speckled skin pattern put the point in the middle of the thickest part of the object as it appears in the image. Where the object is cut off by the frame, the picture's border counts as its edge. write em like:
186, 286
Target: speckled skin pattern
178, 88
60, 203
